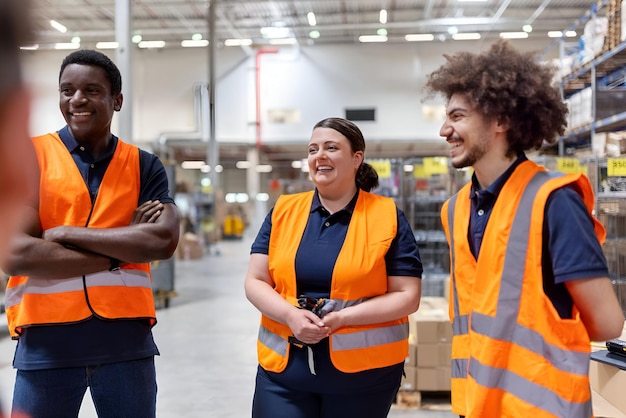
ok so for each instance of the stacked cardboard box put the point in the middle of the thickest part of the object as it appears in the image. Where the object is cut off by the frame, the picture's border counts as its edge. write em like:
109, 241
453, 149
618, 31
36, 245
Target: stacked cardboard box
428, 365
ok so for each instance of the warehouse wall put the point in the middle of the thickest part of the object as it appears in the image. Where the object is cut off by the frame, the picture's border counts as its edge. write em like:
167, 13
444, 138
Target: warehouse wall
309, 83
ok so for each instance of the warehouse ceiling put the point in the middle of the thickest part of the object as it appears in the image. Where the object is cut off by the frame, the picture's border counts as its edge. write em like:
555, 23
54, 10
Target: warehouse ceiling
337, 21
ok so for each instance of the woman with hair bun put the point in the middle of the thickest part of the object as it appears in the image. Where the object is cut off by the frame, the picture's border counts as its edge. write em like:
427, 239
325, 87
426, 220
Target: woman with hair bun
335, 272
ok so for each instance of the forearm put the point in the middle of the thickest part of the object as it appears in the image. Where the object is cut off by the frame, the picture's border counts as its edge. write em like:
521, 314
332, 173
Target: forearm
267, 300
31, 256
401, 299
139, 243
383, 308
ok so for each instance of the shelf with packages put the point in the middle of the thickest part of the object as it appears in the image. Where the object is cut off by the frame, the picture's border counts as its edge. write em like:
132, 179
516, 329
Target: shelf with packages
593, 80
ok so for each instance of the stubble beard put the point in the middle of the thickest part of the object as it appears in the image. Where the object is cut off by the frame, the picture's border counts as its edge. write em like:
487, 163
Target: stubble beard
473, 153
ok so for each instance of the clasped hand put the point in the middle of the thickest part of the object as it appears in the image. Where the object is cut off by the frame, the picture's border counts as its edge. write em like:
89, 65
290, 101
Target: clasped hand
306, 326
309, 328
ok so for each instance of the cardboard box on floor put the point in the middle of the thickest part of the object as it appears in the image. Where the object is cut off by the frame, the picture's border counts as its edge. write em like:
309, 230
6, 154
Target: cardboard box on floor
431, 323
431, 332
607, 385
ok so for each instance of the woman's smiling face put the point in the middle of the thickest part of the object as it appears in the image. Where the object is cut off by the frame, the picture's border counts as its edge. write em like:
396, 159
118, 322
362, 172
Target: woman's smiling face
331, 159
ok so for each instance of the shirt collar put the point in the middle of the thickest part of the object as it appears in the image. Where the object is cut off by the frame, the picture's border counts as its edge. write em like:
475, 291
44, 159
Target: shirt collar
317, 204
72, 144
497, 185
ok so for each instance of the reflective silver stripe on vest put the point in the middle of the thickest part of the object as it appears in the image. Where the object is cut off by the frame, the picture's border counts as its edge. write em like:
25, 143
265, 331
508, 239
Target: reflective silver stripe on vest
370, 337
272, 341
501, 327
459, 368
459, 322
505, 325
528, 391
40, 286
353, 340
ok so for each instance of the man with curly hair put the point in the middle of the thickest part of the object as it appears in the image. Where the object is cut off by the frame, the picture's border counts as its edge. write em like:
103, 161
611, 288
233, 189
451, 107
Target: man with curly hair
529, 280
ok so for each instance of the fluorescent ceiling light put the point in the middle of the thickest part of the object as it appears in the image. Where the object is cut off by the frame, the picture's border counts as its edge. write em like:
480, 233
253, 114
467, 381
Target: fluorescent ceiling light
238, 42
66, 45
283, 41
527, 28
33, 47
192, 165
417, 37
107, 45
311, 18
273, 32
381, 32
558, 34
314, 34
263, 168
382, 16
151, 44
243, 164
466, 36
196, 36
58, 26
513, 35
136, 38
190, 43
372, 38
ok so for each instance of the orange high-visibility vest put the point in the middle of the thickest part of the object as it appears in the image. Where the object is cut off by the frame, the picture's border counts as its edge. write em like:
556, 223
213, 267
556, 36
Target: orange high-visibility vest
359, 273
513, 356
64, 200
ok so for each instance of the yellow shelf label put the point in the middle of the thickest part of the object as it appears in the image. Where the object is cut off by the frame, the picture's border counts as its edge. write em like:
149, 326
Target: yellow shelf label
568, 165
436, 165
419, 172
616, 167
382, 167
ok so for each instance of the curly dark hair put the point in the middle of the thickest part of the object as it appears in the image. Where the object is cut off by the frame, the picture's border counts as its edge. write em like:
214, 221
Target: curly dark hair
509, 86
98, 59
366, 176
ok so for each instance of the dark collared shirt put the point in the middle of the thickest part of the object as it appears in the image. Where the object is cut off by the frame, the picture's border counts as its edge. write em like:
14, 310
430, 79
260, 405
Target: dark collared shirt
319, 248
95, 341
322, 240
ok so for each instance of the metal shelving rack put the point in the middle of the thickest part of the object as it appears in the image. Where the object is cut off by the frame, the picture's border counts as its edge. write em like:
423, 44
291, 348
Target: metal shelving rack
603, 71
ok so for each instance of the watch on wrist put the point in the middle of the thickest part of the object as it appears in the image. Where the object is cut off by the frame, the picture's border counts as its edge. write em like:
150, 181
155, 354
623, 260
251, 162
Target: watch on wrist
115, 264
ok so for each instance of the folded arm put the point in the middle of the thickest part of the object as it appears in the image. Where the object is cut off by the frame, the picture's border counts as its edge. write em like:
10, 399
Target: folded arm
140, 242
68, 251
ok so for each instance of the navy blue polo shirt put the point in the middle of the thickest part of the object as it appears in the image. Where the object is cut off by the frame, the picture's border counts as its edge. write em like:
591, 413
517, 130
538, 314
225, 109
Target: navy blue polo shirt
319, 248
570, 247
95, 341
